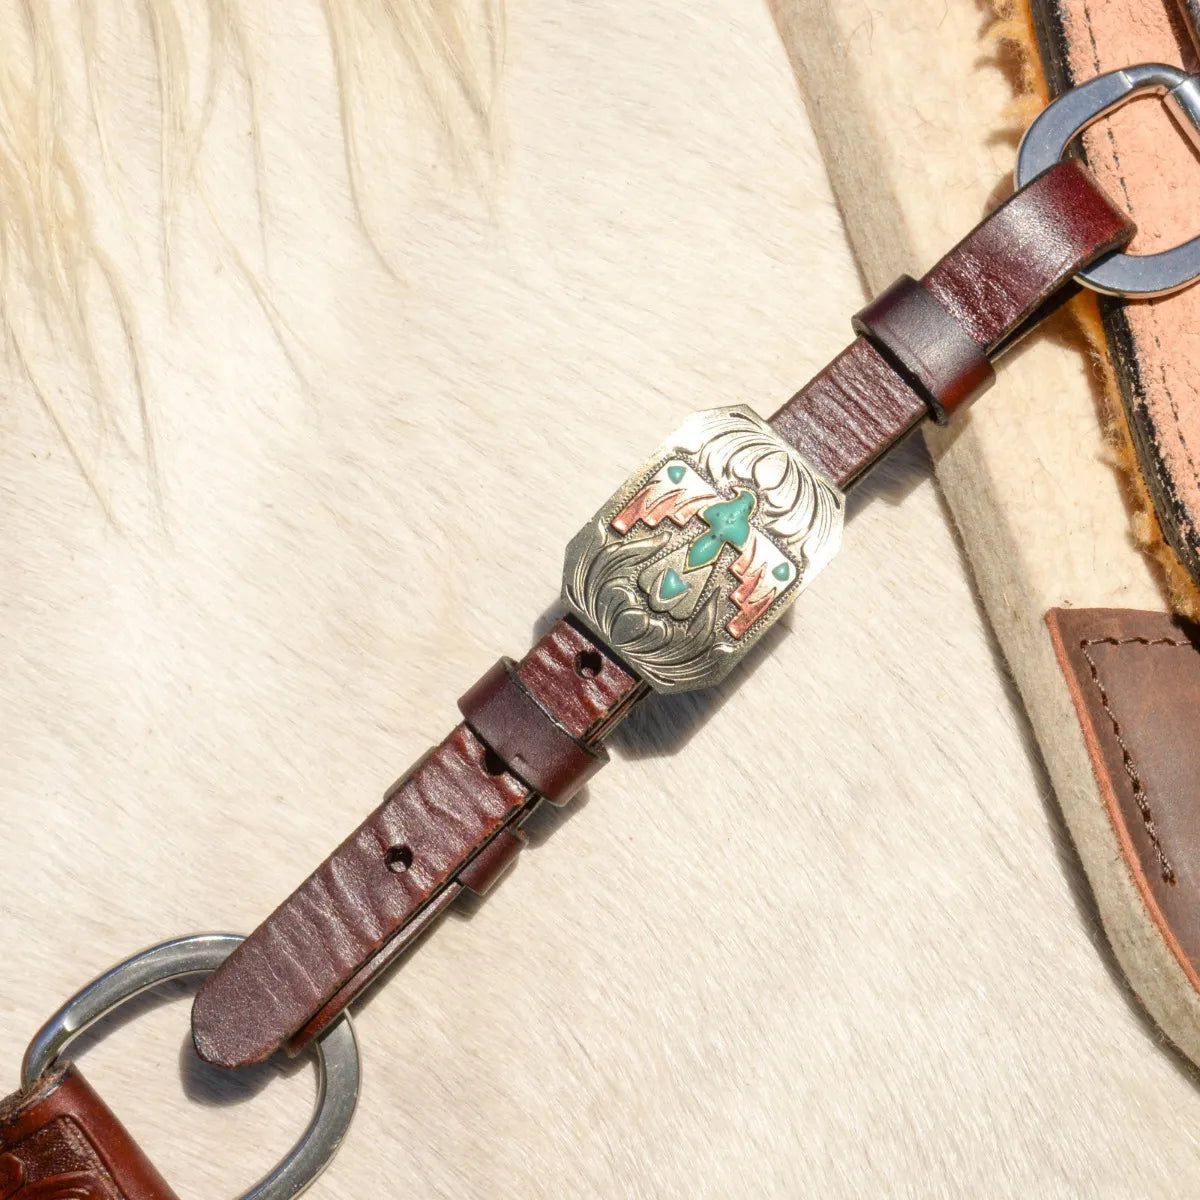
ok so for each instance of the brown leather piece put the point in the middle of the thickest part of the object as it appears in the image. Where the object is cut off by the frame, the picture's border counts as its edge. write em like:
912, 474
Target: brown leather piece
60, 1141
539, 751
1006, 272
385, 885
1134, 678
1141, 156
928, 346
579, 681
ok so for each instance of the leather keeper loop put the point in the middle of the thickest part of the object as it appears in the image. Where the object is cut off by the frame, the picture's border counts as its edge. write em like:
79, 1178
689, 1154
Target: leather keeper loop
535, 747
928, 345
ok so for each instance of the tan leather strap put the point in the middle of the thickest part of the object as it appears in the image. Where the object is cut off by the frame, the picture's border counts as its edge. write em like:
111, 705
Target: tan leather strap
1138, 155
453, 821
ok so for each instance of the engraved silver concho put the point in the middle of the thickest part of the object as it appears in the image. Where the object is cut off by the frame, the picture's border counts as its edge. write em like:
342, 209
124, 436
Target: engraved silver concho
702, 549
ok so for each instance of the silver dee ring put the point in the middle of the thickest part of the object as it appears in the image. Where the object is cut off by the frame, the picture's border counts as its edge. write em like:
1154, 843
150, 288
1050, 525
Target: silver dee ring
1048, 138
337, 1050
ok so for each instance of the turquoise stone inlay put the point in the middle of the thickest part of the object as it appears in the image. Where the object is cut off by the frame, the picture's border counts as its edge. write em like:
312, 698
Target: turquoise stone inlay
675, 473
728, 522
672, 585
782, 571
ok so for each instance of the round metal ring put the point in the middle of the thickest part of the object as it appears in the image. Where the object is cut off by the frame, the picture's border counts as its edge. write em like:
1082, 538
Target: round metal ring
337, 1050
1050, 135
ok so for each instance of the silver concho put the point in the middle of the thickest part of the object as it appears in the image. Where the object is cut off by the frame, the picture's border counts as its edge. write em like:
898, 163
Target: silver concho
702, 549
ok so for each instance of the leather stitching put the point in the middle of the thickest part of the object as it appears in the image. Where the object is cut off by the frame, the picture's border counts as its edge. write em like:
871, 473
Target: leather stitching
1141, 799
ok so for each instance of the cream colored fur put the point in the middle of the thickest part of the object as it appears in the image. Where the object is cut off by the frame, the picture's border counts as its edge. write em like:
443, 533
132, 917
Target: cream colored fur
820, 934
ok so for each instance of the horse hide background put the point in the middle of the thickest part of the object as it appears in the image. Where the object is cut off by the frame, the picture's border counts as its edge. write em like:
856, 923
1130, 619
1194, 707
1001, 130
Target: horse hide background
325, 328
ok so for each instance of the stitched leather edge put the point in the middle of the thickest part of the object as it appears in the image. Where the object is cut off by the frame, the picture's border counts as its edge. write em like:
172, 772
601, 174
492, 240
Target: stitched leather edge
1140, 796
1091, 739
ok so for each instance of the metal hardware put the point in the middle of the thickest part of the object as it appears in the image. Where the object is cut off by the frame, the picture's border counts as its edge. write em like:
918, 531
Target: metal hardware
337, 1050
1048, 138
702, 549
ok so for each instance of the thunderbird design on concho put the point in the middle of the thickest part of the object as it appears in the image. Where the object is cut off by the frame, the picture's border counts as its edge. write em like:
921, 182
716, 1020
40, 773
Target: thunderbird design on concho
703, 549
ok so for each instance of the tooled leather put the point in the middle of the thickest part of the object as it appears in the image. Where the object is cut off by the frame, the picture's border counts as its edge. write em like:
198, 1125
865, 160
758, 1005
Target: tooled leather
1134, 678
60, 1141
1006, 270
1141, 157
331, 937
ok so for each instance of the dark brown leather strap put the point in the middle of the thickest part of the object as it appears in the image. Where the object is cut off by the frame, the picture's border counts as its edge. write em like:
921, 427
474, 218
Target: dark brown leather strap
60, 1141
532, 730
851, 413
451, 822
914, 360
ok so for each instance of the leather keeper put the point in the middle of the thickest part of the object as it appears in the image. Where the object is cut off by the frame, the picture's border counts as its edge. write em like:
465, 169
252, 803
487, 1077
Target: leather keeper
536, 748
927, 345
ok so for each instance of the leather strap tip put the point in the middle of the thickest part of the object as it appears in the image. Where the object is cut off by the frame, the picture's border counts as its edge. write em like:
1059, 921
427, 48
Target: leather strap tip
220, 1039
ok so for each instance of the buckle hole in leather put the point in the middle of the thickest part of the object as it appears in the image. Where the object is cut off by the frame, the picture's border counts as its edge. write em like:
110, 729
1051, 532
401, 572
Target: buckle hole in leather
398, 859
588, 664
493, 764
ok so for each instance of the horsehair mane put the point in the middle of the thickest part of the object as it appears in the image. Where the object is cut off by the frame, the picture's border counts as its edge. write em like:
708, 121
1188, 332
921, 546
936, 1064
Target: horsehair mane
60, 281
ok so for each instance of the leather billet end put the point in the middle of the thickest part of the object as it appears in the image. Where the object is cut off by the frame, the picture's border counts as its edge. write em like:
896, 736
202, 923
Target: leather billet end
450, 823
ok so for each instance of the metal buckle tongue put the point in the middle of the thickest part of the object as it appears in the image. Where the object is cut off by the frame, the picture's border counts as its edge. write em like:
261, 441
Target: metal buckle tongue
1048, 138
337, 1050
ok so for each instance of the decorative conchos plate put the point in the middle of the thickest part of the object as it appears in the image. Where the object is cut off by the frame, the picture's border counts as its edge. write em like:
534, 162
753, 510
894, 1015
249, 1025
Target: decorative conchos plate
702, 549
